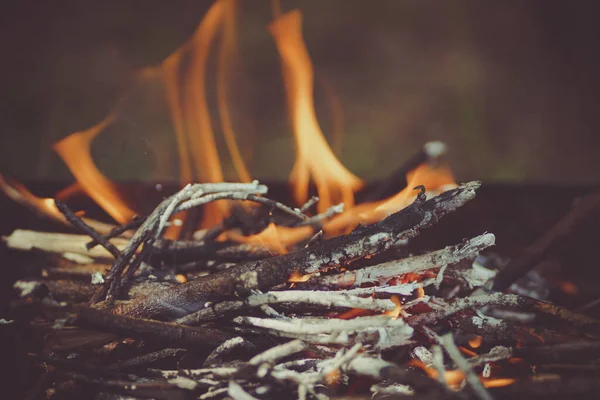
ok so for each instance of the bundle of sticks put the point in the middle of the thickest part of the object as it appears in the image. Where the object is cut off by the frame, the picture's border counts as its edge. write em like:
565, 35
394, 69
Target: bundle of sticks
130, 313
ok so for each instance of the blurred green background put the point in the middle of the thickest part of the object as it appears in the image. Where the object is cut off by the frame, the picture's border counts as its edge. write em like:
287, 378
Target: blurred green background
511, 86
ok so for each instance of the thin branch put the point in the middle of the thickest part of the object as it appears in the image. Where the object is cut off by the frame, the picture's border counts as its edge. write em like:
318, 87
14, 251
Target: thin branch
580, 321
85, 228
135, 223
313, 297
391, 269
471, 377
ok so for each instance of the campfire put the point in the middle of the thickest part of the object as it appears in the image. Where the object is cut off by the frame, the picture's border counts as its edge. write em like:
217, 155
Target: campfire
242, 290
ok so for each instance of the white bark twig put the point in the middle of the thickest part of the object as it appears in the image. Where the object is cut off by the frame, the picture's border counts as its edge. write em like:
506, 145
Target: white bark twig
447, 342
382, 272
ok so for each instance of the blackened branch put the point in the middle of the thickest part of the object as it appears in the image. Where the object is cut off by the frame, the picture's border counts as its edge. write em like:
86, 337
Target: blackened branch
85, 228
135, 223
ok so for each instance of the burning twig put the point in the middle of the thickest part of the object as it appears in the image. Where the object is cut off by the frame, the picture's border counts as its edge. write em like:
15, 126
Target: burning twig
363, 241
319, 298
447, 343
385, 271
152, 226
430, 152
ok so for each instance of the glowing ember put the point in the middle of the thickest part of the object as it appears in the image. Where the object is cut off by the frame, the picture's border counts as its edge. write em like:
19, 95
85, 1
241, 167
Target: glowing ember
454, 378
314, 158
476, 342
297, 277
468, 352
395, 313
498, 382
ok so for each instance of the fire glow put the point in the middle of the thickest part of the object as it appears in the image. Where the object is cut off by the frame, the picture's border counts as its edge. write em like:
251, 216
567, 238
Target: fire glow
183, 74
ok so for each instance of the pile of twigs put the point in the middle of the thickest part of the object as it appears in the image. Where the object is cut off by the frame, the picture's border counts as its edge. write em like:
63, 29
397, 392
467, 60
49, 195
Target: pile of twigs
212, 319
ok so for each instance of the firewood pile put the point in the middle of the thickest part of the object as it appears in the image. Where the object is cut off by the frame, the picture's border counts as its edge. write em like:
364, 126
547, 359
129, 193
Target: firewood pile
128, 313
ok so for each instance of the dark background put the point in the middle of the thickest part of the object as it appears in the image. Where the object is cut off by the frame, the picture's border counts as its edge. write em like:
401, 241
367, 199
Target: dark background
511, 86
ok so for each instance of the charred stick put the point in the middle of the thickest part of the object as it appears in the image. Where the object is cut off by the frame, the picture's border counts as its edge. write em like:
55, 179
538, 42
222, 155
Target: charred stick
533, 254
135, 265
382, 272
85, 228
363, 241
144, 359
120, 263
182, 251
497, 353
227, 347
174, 334
580, 321
321, 298
135, 223
447, 342
150, 389
430, 151
154, 224
381, 370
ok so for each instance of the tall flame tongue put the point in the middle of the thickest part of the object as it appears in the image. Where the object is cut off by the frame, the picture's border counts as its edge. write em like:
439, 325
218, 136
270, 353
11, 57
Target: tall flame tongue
314, 158
189, 109
75, 150
226, 55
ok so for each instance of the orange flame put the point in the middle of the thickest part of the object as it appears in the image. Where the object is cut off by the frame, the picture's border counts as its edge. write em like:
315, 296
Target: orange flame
44, 206
395, 313
476, 342
314, 158
75, 150
275, 238
189, 108
297, 277
454, 378
434, 178
183, 75
226, 54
